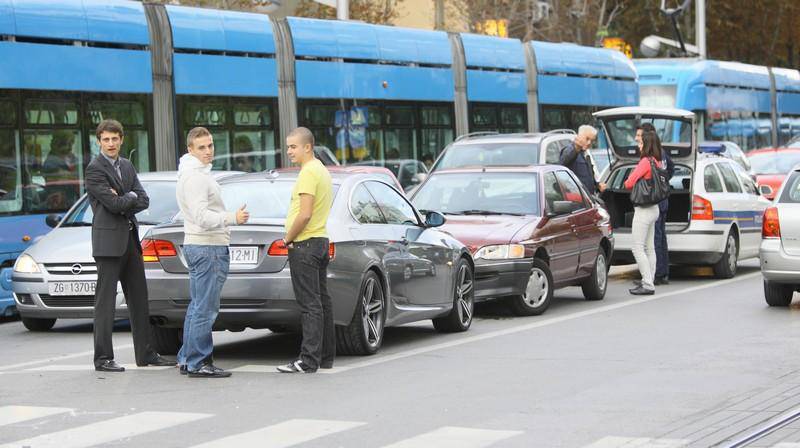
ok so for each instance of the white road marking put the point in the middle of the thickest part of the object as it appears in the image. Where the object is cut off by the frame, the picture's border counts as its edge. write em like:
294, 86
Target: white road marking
637, 442
284, 434
10, 415
455, 437
107, 431
786, 445
84, 367
87, 353
379, 359
255, 368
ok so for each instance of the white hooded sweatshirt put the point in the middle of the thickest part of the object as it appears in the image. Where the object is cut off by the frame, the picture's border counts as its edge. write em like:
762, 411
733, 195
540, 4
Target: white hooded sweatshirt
205, 221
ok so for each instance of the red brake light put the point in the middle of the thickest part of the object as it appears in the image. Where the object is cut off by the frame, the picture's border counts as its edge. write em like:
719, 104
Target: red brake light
278, 249
771, 226
153, 249
702, 209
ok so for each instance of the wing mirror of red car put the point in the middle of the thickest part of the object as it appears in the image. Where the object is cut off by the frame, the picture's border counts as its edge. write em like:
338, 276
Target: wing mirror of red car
765, 190
434, 219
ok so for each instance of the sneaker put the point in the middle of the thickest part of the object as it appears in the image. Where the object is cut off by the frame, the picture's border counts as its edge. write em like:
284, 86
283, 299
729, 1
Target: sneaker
296, 367
642, 291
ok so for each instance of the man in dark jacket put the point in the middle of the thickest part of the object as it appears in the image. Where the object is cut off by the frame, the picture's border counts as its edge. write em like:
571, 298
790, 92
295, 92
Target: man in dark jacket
575, 157
661, 276
116, 195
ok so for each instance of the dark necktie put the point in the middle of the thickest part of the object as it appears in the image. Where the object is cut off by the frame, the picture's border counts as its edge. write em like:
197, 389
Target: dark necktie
116, 168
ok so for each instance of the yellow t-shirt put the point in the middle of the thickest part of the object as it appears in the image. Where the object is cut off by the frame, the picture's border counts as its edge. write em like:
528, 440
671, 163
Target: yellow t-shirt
314, 179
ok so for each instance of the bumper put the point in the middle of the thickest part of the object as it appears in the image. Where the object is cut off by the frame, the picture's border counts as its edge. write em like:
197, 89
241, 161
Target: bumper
776, 265
247, 300
500, 278
32, 298
688, 247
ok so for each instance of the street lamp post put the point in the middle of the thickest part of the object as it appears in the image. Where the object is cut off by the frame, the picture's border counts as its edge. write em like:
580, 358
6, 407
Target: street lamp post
700, 27
343, 9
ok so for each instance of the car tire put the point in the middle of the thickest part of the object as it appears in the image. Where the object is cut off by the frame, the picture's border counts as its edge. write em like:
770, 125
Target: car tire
727, 265
460, 316
364, 334
34, 324
778, 294
594, 287
167, 341
539, 292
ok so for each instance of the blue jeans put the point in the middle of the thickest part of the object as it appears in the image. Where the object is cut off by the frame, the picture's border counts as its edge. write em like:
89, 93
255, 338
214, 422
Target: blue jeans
208, 270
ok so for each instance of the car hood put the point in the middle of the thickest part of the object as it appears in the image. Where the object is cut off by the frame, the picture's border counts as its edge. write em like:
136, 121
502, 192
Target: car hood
67, 245
773, 180
478, 231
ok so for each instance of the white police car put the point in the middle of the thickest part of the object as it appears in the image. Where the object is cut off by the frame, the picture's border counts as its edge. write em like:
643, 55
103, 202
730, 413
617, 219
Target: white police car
715, 210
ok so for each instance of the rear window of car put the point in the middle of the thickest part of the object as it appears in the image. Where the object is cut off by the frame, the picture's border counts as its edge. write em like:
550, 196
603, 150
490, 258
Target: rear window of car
791, 193
488, 154
265, 199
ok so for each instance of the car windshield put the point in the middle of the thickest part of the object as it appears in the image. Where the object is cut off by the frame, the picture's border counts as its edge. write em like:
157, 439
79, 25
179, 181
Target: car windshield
480, 194
163, 206
489, 154
777, 162
265, 199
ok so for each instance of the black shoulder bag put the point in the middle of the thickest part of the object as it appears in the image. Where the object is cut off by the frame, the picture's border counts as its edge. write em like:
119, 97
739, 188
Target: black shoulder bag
651, 191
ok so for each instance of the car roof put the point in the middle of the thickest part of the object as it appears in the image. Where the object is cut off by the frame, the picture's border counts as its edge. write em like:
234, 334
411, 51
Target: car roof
173, 175
338, 174
501, 169
502, 138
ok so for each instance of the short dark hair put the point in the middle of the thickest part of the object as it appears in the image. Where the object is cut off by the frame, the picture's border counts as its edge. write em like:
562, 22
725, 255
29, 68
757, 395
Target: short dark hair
651, 147
304, 134
109, 125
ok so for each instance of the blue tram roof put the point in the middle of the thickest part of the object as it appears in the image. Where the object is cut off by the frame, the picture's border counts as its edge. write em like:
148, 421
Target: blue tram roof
212, 29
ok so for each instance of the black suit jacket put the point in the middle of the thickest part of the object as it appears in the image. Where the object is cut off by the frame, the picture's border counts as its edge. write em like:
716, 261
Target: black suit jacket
113, 213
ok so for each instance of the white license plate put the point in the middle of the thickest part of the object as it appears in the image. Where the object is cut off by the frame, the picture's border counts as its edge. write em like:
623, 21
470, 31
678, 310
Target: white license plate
244, 255
71, 288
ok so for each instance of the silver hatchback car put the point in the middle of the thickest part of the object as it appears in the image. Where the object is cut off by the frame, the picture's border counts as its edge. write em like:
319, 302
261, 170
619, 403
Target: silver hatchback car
55, 278
389, 265
780, 246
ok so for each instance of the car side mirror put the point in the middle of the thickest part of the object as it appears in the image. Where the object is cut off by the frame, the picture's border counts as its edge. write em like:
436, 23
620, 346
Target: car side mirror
563, 208
434, 219
52, 220
765, 190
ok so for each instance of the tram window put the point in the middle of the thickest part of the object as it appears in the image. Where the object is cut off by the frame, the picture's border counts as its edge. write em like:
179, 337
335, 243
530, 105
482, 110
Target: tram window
436, 116
398, 116
252, 115
54, 166
51, 113
400, 144
135, 145
437, 131
8, 114
10, 172
221, 150
319, 115
554, 119
204, 114
253, 151
484, 116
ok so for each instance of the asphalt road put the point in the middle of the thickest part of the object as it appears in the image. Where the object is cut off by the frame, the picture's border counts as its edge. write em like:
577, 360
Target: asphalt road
701, 363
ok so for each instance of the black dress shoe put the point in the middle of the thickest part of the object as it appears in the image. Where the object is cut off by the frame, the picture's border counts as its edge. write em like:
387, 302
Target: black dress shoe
183, 370
661, 281
208, 371
108, 365
157, 360
641, 291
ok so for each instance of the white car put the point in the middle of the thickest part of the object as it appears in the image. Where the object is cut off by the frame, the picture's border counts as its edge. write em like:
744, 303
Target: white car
715, 210
780, 247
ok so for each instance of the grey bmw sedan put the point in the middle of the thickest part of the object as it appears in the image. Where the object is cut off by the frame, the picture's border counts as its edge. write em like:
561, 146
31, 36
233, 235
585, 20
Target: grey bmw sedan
389, 265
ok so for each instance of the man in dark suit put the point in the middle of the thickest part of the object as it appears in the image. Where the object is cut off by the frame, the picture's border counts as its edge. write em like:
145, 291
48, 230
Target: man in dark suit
116, 195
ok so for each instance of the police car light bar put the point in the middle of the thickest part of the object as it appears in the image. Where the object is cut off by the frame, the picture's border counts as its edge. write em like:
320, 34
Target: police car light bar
712, 148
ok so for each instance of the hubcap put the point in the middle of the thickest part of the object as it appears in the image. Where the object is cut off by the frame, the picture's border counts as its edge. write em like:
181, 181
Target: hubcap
372, 311
537, 289
731, 253
602, 272
464, 302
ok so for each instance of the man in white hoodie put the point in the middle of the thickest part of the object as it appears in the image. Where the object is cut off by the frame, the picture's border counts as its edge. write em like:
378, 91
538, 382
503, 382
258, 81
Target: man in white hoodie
205, 248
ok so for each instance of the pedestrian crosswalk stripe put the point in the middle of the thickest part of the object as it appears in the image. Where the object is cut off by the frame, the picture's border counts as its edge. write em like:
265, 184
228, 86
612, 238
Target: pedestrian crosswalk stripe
637, 442
455, 437
108, 430
16, 414
786, 445
89, 367
285, 434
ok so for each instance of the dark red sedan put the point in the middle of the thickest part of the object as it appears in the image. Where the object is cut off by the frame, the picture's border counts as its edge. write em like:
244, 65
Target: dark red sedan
771, 165
531, 230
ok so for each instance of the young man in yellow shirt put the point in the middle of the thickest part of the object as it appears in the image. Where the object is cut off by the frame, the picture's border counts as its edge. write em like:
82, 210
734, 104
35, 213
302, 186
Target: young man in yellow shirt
307, 240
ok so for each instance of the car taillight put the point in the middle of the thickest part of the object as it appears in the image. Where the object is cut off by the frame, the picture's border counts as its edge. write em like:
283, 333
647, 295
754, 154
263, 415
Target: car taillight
702, 209
278, 249
153, 249
771, 226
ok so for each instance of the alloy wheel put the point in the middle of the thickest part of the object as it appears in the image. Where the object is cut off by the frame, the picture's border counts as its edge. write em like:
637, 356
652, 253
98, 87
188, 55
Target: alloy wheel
464, 296
372, 311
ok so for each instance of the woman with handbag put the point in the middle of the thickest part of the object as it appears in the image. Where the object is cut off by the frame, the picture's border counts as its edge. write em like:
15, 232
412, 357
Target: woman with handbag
647, 189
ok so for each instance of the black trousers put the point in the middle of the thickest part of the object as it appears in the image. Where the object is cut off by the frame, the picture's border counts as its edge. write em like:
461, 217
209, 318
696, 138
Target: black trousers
662, 250
308, 264
128, 270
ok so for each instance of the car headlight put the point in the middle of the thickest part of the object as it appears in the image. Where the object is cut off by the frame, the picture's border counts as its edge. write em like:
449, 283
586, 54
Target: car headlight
26, 265
501, 252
